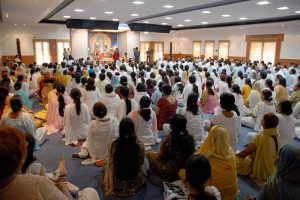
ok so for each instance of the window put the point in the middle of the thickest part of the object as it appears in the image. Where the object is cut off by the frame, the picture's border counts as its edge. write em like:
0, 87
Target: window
158, 50
264, 47
209, 49
197, 49
263, 50
41, 52
61, 45
223, 49
144, 47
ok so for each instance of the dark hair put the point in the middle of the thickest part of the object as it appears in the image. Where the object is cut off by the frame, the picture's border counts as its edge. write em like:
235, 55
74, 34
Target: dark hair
145, 103
192, 104
128, 153
123, 80
61, 90
267, 94
197, 172
102, 76
77, 77
75, 95
180, 138
229, 81
18, 85
140, 87
270, 120
241, 75
248, 81
285, 107
90, 86
236, 89
4, 91
180, 86
133, 77
209, 85
149, 83
142, 74
227, 101
99, 109
109, 88
30, 158
16, 103
269, 83
282, 81
192, 80
263, 75
125, 93
166, 89
84, 80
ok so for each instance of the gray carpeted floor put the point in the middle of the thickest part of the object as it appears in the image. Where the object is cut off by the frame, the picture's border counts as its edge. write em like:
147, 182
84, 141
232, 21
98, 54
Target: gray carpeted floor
91, 176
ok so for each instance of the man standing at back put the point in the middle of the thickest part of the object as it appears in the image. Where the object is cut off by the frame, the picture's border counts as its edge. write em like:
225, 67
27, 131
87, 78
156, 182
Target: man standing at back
116, 55
136, 55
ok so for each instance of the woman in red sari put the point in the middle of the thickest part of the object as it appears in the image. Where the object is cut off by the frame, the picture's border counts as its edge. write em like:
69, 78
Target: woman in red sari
165, 107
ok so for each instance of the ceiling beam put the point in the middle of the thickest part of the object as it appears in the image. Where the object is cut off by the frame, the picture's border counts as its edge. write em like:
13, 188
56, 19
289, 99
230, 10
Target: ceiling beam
241, 23
189, 9
61, 6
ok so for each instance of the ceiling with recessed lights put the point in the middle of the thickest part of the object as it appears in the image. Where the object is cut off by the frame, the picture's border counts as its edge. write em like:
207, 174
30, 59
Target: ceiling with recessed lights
180, 14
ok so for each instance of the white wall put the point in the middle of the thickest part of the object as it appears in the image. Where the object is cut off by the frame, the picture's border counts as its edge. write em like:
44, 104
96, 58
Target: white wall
79, 43
133, 40
9, 34
122, 43
182, 41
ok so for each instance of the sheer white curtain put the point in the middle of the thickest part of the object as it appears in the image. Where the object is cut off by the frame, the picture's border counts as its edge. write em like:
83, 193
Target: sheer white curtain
263, 51
196, 49
269, 52
223, 49
42, 52
158, 50
144, 47
209, 49
255, 50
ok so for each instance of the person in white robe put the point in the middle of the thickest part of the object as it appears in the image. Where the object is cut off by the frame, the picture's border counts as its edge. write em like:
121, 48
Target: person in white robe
145, 123
125, 105
141, 91
110, 99
239, 102
191, 87
102, 131
263, 107
76, 119
90, 94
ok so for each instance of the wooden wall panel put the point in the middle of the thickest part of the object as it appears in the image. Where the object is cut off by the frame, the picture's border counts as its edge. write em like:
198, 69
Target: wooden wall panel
9, 59
288, 61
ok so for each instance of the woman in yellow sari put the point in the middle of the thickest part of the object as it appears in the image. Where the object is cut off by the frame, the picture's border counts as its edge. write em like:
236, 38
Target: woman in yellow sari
221, 157
258, 159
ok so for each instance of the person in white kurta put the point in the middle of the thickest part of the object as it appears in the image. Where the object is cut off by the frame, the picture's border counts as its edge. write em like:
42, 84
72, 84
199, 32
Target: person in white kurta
110, 99
228, 119
177, 90
76, 124
253, 99
141, 91
239, 102
102, 132
145, 123
286, 124
90, 94
193, 115
121, 109
189, 88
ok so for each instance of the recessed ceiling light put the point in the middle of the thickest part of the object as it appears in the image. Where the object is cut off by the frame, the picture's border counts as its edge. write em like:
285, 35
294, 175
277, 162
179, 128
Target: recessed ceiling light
134, 15
6, 14
180, 25
230, 29
297, 11
146, 22
282, 25
16, 24
115, 20
78, 10
283, 8
146, 32
164, 23
187, 20
92, 18
204, 22
67, 16
108, 12
168, 6
205, 12
168, 18
241, 28
226, 15
243, 18
24, 24
138, 2
263, 3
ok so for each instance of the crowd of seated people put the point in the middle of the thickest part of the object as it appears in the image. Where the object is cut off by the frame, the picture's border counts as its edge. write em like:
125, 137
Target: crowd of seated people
115, 112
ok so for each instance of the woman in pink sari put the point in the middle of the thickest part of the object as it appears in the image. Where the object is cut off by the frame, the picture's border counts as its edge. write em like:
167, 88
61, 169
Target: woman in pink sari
55, 113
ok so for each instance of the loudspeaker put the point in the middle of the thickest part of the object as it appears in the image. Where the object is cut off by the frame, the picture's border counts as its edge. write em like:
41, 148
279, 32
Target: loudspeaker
92, 24
149, 28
